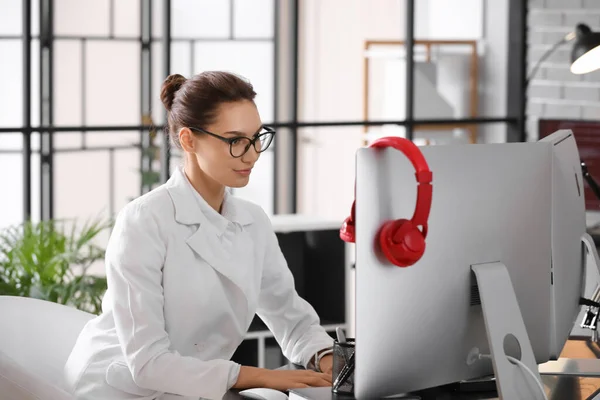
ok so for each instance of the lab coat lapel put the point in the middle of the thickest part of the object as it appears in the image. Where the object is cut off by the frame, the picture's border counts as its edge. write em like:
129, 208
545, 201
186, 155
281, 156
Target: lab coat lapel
206, 241
207, 244
232, 266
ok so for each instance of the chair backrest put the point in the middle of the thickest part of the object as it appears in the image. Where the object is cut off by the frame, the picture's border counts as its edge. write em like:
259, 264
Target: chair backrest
39, 335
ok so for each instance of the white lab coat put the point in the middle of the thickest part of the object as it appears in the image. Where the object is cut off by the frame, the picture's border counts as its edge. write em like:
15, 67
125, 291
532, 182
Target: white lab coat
184, 283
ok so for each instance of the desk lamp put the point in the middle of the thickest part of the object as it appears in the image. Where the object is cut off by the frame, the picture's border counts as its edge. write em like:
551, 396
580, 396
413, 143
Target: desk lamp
585, 55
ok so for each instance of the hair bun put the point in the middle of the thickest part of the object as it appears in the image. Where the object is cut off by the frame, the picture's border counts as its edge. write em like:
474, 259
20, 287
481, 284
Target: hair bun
169, 87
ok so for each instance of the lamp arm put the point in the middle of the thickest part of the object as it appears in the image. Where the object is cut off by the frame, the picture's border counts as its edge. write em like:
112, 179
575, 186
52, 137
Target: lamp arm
570, 36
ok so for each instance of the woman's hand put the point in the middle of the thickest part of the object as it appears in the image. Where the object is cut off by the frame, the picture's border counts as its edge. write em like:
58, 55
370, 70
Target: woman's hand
280, 379
326, 364
294, 379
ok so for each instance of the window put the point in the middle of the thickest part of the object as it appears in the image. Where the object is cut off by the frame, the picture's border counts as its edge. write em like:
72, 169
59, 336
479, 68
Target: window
99, 92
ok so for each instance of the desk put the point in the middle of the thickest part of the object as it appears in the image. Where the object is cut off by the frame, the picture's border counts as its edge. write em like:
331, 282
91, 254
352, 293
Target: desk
558, 388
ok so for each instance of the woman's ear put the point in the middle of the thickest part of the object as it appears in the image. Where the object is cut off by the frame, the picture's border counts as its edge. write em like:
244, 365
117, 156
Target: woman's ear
186, 139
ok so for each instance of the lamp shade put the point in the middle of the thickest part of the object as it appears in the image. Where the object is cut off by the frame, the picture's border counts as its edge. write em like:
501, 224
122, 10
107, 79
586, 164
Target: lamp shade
585, 56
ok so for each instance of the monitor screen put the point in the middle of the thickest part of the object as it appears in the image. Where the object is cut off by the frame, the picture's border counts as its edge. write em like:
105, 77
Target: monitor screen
587, 136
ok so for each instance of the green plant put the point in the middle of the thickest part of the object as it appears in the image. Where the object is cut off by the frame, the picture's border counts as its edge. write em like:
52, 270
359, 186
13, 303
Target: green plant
50, 260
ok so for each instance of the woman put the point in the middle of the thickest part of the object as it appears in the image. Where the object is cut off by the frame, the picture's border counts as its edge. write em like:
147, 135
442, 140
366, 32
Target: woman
189, 265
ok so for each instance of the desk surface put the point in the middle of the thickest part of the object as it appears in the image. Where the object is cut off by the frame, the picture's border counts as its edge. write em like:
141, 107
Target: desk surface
557, 387
563, 387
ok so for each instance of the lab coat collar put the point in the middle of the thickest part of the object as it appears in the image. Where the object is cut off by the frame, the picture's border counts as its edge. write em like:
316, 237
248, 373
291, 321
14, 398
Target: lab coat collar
212, 239
191, 208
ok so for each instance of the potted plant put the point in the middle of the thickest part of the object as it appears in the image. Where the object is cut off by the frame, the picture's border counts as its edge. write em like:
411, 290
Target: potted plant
50, 260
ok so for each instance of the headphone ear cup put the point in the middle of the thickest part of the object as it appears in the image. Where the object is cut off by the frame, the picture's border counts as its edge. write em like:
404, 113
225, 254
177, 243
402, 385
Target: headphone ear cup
401, 242
348, 229
347, 232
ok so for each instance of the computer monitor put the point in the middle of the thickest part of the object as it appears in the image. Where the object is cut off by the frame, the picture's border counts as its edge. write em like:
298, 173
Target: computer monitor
568, 227
587, 136
493, 205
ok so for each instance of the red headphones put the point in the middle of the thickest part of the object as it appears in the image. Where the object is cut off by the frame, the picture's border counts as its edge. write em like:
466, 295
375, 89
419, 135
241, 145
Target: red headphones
400, 240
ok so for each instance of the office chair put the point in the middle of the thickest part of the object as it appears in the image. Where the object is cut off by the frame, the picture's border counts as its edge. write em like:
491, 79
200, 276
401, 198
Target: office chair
36, 338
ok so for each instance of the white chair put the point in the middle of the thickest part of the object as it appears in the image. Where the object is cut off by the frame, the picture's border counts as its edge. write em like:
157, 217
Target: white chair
36, 337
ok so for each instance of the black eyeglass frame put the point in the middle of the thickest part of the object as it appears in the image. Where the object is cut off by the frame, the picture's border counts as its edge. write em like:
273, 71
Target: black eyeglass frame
251, 142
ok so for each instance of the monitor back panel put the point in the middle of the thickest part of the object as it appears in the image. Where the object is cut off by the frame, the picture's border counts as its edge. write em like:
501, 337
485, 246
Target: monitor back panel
568, 226
416, 325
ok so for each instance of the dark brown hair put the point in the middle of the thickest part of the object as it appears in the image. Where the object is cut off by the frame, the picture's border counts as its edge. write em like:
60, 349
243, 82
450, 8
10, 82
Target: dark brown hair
193, 102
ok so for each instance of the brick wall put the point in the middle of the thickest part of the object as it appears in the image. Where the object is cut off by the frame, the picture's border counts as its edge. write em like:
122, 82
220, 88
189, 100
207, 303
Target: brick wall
554, 91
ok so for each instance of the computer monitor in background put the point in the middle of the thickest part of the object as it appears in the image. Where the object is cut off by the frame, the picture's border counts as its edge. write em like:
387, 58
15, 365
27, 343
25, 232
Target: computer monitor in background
587, 136
418, 327
568, 227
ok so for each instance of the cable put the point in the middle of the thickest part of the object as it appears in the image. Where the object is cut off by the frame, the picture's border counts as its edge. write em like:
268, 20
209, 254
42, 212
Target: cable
590, 180
530, 372
523, 366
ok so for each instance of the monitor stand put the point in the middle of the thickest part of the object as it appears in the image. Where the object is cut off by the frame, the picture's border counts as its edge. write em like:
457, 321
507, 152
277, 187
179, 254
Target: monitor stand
506, 334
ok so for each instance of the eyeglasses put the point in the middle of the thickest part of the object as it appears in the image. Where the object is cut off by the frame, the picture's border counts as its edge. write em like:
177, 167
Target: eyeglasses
239, 145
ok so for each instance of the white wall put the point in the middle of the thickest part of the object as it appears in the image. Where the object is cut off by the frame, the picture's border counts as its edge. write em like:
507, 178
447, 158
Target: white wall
437, 19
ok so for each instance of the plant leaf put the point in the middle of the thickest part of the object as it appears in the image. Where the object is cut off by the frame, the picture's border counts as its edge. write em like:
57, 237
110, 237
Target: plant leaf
49, 260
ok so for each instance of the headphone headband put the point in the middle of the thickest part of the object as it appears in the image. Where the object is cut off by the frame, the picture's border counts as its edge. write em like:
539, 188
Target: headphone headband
401, 240
410, 150
423, 175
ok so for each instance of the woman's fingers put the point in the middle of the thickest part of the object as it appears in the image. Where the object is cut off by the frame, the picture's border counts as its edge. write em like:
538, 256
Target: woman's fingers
326, 377
298, 385
305, 378
319, 381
